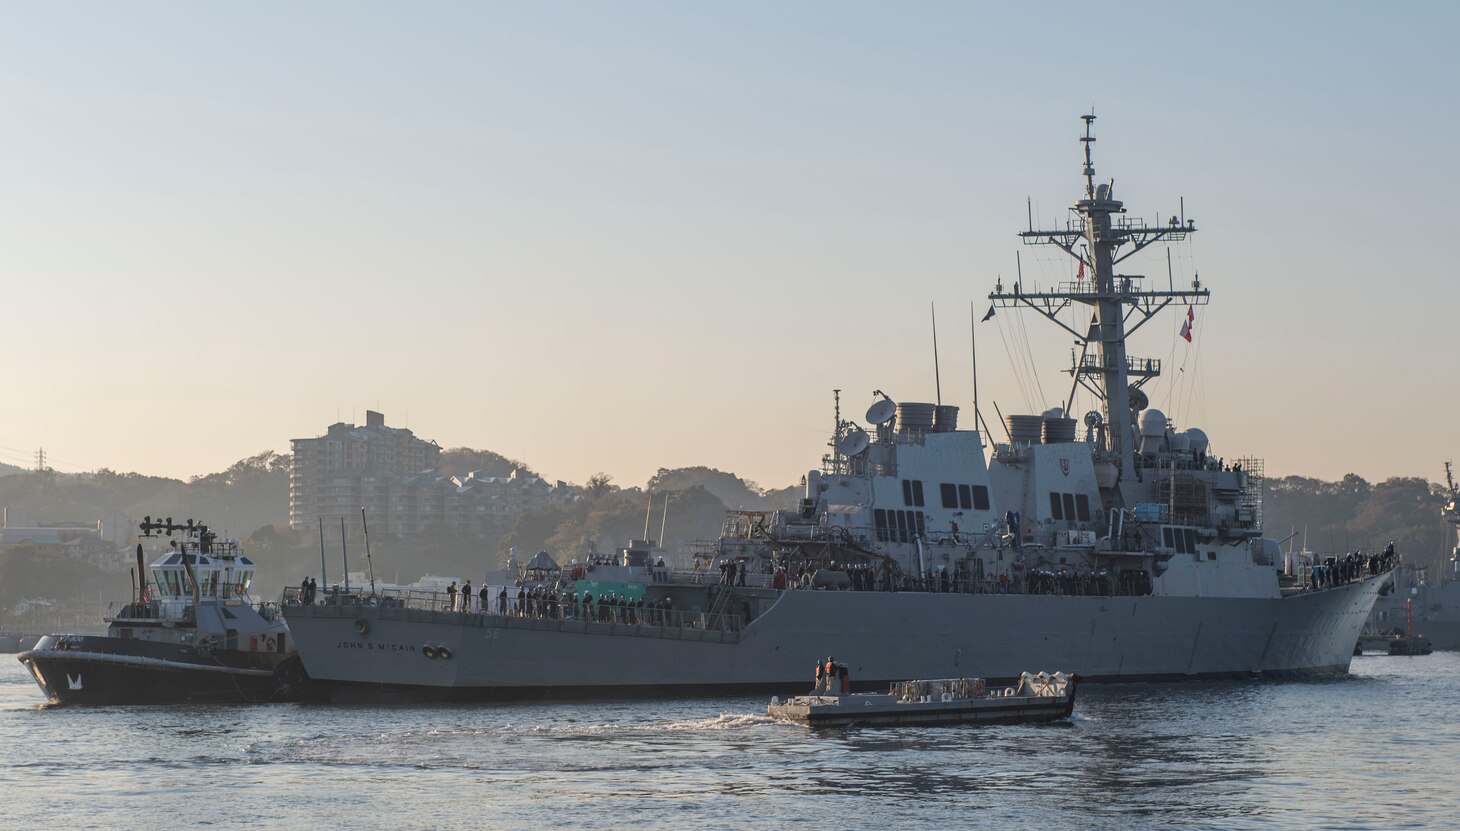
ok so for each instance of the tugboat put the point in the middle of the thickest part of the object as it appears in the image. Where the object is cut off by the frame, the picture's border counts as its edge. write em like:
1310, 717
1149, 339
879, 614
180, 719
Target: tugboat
1036, 698
191, 633
1409, 643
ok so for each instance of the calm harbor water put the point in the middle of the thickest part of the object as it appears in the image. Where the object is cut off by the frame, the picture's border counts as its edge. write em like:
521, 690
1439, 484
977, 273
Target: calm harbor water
1376, 750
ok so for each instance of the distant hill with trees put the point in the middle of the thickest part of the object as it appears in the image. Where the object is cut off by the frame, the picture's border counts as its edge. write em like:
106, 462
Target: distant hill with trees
250, 501
727, 487
1352, 514
459, 461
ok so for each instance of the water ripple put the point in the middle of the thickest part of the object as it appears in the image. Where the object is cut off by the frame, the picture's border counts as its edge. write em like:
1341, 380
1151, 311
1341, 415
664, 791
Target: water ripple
1372, 751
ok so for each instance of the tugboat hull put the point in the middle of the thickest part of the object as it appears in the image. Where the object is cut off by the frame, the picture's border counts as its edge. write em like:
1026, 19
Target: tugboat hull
100, 670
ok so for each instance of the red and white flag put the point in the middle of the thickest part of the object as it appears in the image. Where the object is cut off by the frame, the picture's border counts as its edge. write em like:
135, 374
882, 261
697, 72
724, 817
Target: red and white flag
1080, 275
1186, 324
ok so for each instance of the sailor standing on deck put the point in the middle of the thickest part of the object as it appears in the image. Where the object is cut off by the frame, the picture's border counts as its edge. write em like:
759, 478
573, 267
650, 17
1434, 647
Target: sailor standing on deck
451, 596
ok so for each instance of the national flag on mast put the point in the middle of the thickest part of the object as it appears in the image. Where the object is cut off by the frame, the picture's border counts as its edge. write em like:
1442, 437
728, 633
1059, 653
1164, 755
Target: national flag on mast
989, 315
1080, 275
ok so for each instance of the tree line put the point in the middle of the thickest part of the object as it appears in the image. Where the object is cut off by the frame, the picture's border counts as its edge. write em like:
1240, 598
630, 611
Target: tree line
250, 501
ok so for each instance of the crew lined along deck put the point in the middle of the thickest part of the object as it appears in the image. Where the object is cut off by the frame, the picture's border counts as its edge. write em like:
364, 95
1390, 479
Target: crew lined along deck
542, 608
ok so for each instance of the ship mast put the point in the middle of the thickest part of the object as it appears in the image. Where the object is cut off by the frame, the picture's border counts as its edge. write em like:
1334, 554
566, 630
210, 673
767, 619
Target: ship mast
1114, 377
1451, 512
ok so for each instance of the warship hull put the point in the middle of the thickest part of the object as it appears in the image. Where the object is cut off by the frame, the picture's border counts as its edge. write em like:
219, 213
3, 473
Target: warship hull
361, 653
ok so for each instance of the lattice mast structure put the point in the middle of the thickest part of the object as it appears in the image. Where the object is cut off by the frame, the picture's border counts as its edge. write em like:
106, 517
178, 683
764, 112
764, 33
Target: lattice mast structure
1104, 367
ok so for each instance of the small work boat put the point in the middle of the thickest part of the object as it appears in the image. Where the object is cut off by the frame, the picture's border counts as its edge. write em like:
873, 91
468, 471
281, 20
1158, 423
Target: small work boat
1410, 645
1037, 697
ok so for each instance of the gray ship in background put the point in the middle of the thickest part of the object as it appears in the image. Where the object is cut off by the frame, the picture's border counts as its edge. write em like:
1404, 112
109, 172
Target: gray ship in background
1427, 603
1126, 551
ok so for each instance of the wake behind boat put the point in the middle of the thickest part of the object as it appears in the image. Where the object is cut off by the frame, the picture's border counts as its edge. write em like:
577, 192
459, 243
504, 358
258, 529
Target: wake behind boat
1129, 552
192, 633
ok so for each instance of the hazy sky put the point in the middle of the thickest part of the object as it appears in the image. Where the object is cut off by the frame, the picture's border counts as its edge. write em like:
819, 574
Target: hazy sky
615, 236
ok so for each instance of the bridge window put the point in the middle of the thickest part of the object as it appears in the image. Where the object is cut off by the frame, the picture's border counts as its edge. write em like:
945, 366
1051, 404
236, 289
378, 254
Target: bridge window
1054, 506
980, 498
1082, 507
1069, 506
950, 494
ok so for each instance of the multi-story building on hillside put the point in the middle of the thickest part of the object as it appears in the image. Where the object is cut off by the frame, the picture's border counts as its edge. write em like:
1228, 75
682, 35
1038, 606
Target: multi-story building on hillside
344, 470
392, 474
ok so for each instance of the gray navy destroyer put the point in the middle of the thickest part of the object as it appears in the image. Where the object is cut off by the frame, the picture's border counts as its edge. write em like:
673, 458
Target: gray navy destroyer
1126, 552
1428, 606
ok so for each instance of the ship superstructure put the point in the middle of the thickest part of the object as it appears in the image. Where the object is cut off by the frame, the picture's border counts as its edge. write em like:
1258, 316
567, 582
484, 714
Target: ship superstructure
1123, 552
1133, 506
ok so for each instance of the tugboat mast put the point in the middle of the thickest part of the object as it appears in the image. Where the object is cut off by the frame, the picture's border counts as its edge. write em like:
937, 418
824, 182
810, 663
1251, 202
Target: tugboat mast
1106, 371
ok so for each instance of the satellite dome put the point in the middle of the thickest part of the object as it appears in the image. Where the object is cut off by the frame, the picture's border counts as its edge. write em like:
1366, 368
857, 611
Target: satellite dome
1199, 441
1153, 423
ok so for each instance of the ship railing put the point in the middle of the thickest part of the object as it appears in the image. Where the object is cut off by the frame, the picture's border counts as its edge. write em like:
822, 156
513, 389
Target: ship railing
531, 612
1035, 582
132, 610
151, 610
754, 580
1334, 573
